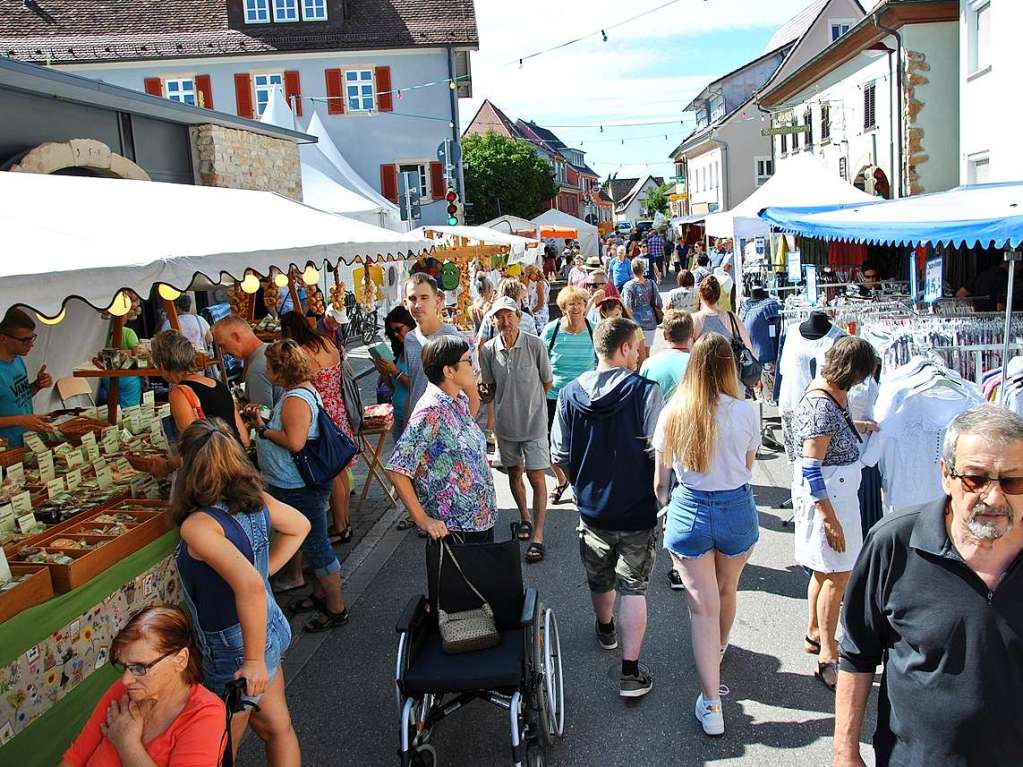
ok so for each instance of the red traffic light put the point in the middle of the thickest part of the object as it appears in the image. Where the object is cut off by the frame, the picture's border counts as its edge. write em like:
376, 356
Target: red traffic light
451, 197
452, 210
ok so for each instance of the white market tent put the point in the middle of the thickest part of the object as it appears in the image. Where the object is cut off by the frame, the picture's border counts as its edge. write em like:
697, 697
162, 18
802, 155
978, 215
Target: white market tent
65, 236
799, 181
327, 183
589, 241
511, 224
523, 249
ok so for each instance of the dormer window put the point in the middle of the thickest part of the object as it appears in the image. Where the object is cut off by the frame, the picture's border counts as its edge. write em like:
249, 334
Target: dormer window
257, 11
284, 11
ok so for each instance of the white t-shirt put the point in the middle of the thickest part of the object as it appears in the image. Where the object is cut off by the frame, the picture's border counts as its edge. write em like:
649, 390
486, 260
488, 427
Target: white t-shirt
738, 434
194, 328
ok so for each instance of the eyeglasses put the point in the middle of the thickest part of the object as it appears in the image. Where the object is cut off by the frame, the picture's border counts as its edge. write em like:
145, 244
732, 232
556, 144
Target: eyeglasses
23, 339
978, 483
140, 669
595, 285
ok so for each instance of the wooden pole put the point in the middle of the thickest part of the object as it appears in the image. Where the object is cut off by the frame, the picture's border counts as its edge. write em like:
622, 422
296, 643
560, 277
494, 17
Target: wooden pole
172, 314
114, 387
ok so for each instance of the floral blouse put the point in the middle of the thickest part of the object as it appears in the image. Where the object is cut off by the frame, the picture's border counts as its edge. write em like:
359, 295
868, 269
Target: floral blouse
444, 452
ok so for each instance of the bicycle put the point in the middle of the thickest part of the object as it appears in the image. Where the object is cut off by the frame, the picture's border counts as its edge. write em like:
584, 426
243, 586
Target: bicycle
361, 324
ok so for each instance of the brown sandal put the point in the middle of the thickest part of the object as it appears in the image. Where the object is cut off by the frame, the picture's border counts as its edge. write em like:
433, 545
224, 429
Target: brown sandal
556, 493
811, 646
535, 552
822, 668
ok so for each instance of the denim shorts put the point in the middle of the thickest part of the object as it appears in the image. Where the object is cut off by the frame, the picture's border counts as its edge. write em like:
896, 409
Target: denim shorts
225, 650
312, 502
703, 520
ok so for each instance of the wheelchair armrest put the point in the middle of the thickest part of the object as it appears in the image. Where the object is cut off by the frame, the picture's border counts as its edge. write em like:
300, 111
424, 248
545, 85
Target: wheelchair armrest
529, 607
413, 613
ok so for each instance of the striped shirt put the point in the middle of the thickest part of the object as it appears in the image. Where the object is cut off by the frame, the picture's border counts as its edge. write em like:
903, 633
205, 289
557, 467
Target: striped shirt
571, 356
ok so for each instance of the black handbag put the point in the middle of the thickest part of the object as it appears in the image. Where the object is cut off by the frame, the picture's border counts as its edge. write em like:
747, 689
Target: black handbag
352, 397
323, 458
749, 366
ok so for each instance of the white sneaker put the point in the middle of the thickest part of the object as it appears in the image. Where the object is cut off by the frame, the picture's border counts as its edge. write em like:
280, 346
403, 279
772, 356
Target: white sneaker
710, 717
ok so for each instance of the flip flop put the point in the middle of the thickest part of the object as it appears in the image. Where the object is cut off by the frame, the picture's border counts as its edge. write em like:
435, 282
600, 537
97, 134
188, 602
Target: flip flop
535, 552
823, 667
811, 646
525, 530
557, 492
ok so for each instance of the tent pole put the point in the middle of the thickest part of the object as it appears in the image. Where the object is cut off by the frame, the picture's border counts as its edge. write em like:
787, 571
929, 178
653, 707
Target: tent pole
1012, 256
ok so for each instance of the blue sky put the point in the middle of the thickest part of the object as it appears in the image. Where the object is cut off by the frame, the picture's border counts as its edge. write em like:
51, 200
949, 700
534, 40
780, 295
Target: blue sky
646, 72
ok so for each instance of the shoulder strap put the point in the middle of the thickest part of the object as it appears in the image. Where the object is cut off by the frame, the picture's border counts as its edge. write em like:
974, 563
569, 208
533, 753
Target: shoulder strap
225, 519
193, 400
554, 335
842, 410
440, 568
589, 328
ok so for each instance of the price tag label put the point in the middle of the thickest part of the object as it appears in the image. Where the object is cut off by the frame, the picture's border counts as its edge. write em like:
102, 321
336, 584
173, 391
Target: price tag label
34, 443
93, 413
75, 459
153, 491
155, 429
92, 452
16, 472
123, 465
27, 523
22, 503
6, 518
89, 438
105, 478
134, 422
73, 479
149, 398
111, 443
138, 487
46, 470
5, 569
163, 411
56, 487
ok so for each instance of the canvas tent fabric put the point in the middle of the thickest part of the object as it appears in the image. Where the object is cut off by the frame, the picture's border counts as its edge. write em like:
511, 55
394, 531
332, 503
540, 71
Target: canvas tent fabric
511, 225
90, 237
589, 241
802, 180
523, 249
978, 214
328, 184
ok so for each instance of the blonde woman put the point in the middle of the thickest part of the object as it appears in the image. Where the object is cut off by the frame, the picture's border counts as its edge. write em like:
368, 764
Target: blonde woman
538, 293
709, 438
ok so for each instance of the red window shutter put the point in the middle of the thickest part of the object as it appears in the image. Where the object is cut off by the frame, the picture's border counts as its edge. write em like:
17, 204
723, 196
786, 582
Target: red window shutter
385, 99
389, 182
335, 95
293, 87
154, 86
243, 95
204, 87
437, 183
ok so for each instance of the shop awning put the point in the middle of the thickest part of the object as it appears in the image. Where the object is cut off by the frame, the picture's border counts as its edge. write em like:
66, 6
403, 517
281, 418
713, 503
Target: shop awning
559, 232
979, 214
586, 234
801, 180
65, 236
486, 236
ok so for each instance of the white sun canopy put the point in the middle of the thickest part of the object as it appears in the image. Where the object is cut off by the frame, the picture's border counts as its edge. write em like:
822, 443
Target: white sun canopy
800, 181
588, 239
523, 249
63, 236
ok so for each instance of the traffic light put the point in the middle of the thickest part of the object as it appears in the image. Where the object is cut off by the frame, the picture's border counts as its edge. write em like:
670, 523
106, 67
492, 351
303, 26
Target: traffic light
454, 207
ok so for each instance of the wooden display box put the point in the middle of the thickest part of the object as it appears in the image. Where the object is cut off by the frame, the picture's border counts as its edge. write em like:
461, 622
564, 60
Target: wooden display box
12, 548
149, 526
29, 593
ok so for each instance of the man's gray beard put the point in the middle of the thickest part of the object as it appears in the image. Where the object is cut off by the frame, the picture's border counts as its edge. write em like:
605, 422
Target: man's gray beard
986, 531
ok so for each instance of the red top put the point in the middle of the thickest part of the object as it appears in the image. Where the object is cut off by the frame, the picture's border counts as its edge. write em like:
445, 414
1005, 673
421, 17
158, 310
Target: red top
194, 739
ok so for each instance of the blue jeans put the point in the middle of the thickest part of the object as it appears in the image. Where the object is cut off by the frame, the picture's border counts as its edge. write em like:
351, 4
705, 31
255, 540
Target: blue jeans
224, 651
312, 503
700, 521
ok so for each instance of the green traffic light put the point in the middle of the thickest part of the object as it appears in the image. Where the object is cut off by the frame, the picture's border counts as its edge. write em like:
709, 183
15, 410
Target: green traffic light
452, 221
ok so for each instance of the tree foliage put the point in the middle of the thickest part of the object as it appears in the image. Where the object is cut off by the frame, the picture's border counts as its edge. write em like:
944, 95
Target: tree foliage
502, 169
657, 200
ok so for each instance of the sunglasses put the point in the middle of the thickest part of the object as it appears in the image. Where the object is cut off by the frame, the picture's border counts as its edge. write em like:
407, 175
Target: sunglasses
140, 669
978, 483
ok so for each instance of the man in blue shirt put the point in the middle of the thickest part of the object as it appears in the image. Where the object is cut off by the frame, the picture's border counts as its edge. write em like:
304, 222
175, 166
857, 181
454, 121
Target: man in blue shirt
655, 250
666, 368
620, 268
17, 334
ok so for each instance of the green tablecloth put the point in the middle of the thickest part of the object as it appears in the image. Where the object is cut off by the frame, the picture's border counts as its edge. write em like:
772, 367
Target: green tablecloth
45, 740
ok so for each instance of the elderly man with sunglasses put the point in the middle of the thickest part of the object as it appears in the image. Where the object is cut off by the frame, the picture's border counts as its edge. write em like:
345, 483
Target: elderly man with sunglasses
17, 334
936, 596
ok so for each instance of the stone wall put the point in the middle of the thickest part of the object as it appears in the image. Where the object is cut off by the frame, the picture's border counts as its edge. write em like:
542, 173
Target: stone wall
915, 153
240, 159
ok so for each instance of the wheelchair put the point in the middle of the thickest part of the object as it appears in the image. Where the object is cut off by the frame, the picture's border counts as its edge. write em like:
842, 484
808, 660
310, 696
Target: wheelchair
522, 674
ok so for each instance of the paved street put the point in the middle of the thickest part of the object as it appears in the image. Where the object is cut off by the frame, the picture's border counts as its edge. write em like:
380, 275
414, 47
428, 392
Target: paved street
342, 698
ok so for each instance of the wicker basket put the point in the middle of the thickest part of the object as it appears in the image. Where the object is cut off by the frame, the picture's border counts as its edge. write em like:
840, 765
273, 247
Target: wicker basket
79, 425
12, 455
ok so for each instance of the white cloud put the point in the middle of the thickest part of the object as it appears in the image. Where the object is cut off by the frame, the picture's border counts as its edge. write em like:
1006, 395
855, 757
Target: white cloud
634, 77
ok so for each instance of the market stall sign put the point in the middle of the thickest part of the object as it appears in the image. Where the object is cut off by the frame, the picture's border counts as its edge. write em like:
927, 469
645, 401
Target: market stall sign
784, 130
933, 279
6, 518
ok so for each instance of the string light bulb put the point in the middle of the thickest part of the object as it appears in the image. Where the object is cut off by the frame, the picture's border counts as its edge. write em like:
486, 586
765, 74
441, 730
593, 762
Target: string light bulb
250, 284
451, 85
168, 292
281, 280
311, 275
121, 305
52, 320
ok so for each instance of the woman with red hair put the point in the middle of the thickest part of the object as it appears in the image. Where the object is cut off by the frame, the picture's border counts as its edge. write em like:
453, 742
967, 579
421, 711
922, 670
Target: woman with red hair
157, 712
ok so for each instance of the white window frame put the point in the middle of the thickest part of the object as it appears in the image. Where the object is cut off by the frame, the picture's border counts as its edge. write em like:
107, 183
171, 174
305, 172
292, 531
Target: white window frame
286, 5
976, 64
761, 166
834, 24
975, 161
359, 84
424, 177
191, 90
872, 85
266, 87
254, 9
318, 8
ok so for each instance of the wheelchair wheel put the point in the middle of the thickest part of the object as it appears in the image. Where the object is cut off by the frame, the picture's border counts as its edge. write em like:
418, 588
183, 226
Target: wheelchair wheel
424, 756
536, 752
370, 329
550, 695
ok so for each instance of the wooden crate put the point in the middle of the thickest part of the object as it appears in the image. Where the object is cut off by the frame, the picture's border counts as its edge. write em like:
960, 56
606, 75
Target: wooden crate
12, 455
31, 592
12, 548
88, 564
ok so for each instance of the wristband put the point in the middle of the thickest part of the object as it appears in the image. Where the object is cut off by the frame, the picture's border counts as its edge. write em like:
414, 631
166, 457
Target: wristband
814, 478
